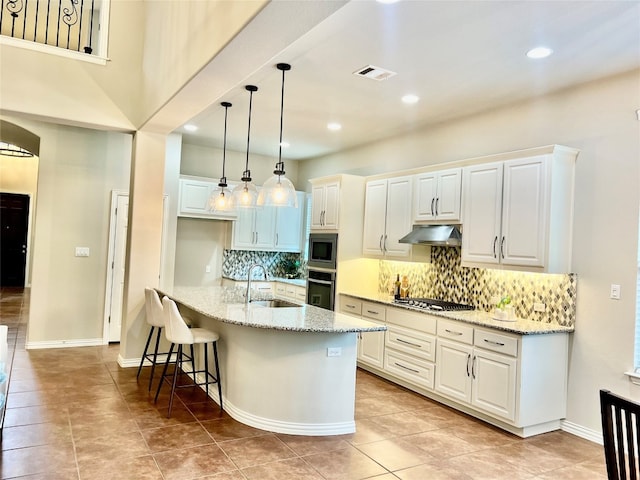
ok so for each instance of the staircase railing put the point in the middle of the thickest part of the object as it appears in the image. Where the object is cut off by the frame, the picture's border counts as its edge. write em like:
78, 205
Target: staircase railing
68, 24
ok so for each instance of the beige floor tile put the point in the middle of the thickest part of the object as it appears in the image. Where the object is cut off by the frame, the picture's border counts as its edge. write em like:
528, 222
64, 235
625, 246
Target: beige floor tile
227, 429
530, 457
96, 425
176, 437
136, 468
369, 430
571, 447
441, 443
435, 471
156, 418
306, 445
375, 406
51, 460
194, 463
346, 464
36, 414
482, 465
396, 454
247, 452
208, 410
35, 435
404, 423
295, 468
113, 446
573, 472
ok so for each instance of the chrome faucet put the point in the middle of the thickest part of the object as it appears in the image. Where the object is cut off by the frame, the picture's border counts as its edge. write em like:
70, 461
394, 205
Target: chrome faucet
247, 297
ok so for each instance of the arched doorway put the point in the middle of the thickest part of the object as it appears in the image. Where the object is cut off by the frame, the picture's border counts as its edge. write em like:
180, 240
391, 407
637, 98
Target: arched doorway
19, 151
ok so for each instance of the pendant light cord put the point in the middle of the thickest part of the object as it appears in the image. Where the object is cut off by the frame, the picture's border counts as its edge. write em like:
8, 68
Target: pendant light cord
246, 175
223, 180
280, 165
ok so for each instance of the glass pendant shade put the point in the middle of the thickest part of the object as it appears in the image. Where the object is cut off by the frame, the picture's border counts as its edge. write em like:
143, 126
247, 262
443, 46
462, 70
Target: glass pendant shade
221, 199
278, 191
245, 194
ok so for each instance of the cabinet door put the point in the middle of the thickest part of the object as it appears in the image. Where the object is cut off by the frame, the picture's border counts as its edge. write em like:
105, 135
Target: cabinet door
482, 192
425, 199
289, 227
194, 196
265, 228
494, 384
371, 349
375, 208
243, 230
398, 218
331, 206
524, 212
317, 206
453, 372
447, 205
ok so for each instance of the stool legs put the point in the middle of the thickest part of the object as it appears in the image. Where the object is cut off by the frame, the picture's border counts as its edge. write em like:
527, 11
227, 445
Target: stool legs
144, 354
175, 379
155, 356
215, 357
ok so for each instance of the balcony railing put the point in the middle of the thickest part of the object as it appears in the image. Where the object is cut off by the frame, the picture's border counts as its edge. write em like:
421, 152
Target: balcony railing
68, 24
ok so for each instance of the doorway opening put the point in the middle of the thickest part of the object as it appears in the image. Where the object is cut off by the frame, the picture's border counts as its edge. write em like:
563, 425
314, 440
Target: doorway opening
14, 234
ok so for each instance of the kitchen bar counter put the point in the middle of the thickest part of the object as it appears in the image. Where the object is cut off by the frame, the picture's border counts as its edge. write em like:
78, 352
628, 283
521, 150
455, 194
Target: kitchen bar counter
287, 370
476, 317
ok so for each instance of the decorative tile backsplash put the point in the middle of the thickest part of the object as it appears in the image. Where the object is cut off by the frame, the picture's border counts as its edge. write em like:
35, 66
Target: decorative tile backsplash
445, 278
236, 263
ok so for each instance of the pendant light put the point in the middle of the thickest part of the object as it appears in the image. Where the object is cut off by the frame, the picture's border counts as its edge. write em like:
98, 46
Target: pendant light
220, 199
245, 194
278, 191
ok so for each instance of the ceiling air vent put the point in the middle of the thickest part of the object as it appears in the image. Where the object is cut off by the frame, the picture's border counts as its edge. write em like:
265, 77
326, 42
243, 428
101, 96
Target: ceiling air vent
374, 73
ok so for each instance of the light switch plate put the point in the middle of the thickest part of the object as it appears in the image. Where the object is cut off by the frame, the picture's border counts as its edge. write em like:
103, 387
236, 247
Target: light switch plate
82, 251
615, 291
334, 351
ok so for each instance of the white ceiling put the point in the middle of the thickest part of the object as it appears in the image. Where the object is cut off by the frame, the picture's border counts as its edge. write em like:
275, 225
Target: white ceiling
459, 57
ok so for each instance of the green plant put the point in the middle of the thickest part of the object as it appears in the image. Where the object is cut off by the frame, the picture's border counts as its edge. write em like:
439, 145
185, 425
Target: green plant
291, 267
504, 301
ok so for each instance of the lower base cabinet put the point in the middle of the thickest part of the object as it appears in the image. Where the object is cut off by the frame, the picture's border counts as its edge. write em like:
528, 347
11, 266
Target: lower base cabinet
516, 382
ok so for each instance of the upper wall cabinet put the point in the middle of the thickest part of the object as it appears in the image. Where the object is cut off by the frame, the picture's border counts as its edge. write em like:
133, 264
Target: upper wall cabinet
437, 196
519, 213
269, 228
194, 198
325, 201
387, 216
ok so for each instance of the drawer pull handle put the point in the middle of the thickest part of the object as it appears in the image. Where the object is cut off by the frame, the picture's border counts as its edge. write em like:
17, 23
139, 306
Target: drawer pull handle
406, 368
452, 332
351, 306
491, 342
372, 312
408, 343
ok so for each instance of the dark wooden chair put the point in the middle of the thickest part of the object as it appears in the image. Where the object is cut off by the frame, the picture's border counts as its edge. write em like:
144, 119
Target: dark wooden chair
621, 434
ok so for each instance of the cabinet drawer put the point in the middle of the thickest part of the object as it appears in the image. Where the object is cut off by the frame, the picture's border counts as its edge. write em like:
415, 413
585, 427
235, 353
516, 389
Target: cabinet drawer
290, 291
280, 288
416, 321
301, 294
455, 331
373, 310
409, 341
497, 342
351, 306
416, 371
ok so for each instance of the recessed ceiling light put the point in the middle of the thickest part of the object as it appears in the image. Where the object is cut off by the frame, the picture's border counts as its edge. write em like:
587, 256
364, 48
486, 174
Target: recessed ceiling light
334, 127
410, 99
539, 52
190, 128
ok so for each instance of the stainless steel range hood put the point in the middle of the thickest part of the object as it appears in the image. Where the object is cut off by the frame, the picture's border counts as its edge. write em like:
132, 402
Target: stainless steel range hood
439, 235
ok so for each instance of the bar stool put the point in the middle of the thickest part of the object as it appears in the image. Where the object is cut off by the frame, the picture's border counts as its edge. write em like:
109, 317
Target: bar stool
178, 333
155, 318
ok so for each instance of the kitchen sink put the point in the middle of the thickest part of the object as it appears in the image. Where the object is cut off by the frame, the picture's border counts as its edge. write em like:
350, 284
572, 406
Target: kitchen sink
275, 303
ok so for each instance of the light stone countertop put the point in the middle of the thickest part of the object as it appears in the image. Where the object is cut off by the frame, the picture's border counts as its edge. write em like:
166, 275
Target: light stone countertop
226, 304
481, 318
300, 282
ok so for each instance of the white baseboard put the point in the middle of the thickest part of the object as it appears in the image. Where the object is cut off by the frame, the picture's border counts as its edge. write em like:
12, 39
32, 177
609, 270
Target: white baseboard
583, 432
83, 342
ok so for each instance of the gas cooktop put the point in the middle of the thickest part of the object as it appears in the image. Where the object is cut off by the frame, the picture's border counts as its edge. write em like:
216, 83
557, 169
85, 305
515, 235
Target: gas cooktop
433, 304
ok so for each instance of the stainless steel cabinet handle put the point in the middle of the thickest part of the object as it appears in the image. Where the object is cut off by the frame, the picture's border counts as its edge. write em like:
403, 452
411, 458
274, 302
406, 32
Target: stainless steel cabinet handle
437, 200
256, 237
373, 312
452, 332
495, 240
406, 368
321, 282
350, 306
432, 212
380, 243
502, 247
491, 342
468, 359
408, 343
473, 368
277, 239
384, 244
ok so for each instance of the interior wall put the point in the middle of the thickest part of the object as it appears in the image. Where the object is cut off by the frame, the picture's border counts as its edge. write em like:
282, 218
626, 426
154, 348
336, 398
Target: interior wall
78, 169
599, 119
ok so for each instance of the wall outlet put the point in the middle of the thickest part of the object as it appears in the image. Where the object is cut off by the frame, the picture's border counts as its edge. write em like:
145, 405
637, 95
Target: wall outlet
207, 269
334, 351
539, 307
82, 251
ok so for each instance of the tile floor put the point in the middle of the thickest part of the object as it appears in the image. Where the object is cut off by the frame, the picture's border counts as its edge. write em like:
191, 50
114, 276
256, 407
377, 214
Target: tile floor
73, 413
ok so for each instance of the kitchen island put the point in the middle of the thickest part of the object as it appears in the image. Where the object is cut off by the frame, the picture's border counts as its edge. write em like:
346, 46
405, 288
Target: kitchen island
284, 369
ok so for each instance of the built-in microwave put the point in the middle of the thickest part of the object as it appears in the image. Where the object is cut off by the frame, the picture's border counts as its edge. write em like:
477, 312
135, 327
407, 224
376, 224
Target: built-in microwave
323, 250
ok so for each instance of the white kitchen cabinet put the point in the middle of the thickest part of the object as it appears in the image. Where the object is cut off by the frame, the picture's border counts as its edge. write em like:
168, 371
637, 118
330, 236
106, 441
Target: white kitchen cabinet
194, 195
325, 202
288, 233
370, 344
387, 216
254, 229
518, 213
437, 196
289, 291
